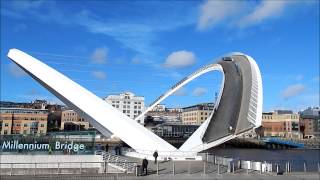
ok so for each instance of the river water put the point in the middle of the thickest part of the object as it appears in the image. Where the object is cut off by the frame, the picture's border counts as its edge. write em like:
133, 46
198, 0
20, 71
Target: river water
296, 157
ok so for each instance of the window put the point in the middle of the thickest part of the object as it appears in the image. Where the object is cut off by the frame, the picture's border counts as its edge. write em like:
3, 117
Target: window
124, 111
124, 106
25, 125
41, 125
41, 131
117, 106
5, 132
128, 111
6, 124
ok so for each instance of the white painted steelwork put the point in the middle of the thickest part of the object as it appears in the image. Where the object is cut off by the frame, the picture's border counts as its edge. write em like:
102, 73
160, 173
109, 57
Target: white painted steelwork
99, 113
106, 118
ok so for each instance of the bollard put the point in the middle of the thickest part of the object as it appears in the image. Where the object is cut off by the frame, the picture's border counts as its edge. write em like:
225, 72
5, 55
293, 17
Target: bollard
304, 167
35, 167
233, 167
286, 167
157, 168
11, 167
58, 168
248, 167
136, 170
173, 168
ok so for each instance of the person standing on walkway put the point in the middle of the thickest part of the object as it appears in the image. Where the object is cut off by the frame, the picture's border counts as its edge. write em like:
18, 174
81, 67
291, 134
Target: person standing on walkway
107, 147
155, 155
145, 166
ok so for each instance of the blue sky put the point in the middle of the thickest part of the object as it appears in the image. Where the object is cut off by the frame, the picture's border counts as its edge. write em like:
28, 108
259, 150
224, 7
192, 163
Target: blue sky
147, 46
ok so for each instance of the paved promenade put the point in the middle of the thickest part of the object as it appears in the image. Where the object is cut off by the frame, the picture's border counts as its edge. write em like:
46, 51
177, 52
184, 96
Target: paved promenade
311, 176
179, 170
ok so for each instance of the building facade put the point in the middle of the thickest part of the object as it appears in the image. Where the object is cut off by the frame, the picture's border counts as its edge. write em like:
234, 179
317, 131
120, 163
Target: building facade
197, 114
70, 120
128, 104
23, 121
174, 130
310, 122
163, 114
281, 123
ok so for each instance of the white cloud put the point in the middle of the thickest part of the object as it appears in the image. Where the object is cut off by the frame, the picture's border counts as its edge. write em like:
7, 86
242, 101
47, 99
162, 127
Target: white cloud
265, 10
180, 92
99, 55
213, 12
293, 90
99, 74
16, 71
180, 59
199, 91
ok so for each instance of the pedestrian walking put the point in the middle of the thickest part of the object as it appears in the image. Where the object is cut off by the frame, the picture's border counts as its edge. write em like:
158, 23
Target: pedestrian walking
145, 166
155, 155
107, 147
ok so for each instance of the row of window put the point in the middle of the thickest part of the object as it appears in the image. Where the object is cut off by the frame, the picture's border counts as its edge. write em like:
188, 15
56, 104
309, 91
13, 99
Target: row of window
69, 114
18, 124
127, 107
128, 112
18, 132
195, 114
22, 118
125, 102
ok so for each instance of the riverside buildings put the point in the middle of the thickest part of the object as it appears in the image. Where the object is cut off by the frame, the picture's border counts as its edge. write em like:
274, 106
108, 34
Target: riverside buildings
70, 120
281, 123
310, 122
162, 114
128, 103
23, 121
196, 114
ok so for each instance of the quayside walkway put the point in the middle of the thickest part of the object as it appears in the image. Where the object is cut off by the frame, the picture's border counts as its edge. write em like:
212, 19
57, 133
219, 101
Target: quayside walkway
311, 176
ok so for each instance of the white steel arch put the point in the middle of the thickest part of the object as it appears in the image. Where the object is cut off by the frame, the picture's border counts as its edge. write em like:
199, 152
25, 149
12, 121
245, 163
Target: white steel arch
106, 118
181, 83
98, 112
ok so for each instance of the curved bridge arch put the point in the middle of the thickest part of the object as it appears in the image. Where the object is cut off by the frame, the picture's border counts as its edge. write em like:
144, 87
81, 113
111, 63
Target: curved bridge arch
246, 114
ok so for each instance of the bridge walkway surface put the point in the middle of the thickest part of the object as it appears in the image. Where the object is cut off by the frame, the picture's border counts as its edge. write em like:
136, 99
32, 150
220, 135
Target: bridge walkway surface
290, 143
